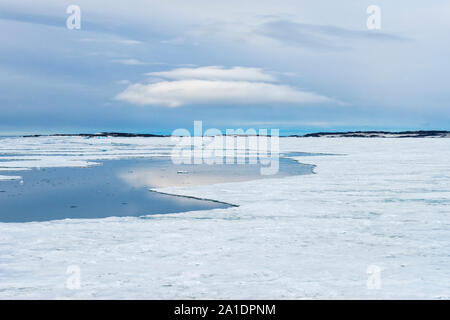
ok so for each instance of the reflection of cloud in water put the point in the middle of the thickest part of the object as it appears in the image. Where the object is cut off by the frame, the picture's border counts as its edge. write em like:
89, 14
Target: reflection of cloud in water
166, 174
157, 177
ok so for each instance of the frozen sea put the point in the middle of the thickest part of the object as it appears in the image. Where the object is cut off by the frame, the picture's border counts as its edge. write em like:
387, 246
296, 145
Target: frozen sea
376, 211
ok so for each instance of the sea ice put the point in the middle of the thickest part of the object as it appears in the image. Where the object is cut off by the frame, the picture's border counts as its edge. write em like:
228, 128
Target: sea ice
378, 209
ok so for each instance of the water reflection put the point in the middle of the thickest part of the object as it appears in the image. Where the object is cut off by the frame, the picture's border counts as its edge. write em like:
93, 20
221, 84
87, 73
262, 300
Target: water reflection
162, 173
118, 188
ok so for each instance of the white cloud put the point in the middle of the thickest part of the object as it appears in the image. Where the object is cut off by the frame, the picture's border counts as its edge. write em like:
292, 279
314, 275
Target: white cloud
129, 62
215, 73
174, 41
123, 82
112, 40
215, 85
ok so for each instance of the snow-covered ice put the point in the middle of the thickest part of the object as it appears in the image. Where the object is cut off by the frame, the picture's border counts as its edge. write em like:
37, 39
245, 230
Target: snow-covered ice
376, 202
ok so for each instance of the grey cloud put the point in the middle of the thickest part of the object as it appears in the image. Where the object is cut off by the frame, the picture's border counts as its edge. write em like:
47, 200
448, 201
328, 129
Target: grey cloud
320, 36
41, 19
90, 22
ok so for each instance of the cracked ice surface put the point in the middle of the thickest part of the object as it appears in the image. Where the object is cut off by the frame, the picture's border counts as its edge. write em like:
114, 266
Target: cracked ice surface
382, 202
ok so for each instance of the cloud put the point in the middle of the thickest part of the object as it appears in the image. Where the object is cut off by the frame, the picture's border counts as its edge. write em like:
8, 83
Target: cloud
215, 85
123, 82
319, 36
129, 62
175, 41
215, 73
114, 40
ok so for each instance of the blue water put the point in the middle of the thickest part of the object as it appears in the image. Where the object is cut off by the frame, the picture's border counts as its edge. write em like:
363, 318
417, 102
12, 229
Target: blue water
100, 191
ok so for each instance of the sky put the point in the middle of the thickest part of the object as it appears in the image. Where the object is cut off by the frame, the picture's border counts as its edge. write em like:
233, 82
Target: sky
155, 66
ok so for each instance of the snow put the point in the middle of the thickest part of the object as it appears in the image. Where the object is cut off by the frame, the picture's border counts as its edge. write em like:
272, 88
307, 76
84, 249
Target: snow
376, 202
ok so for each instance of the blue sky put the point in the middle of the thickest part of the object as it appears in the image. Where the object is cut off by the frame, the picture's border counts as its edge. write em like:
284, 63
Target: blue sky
154, 66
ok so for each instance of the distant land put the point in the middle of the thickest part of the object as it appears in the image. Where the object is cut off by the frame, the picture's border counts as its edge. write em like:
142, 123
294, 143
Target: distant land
100, 134
348, 134
380, 134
